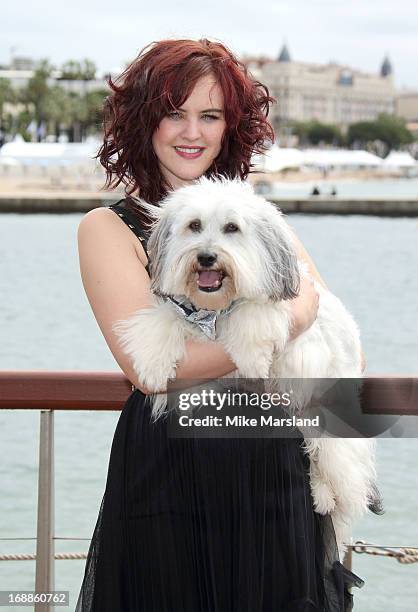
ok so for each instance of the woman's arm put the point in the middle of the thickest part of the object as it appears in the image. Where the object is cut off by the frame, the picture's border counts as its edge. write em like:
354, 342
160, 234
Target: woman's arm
304, 256
112, 265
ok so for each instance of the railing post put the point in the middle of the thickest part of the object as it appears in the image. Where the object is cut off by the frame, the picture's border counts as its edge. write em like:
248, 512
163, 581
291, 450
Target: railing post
348, 562
44, 580
348, 559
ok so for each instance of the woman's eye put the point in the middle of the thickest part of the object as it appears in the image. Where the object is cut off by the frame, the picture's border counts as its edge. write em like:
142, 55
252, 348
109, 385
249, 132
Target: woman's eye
230, 228
174, 115
195, 226
209, 118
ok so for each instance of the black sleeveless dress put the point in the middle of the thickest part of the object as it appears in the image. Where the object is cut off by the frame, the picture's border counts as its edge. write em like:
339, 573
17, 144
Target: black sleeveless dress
208, 525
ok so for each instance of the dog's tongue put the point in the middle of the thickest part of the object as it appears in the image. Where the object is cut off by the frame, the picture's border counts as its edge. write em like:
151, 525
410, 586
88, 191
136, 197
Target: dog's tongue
209, 278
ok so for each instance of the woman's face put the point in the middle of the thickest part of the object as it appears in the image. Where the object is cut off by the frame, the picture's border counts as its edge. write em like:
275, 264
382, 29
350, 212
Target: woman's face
188, 139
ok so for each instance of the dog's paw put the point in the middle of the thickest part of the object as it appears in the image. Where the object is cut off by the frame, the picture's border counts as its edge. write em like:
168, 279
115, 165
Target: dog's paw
252, 361
247, 370
323, 498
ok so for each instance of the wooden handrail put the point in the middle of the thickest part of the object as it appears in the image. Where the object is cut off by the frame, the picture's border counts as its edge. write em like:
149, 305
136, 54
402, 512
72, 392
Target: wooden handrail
67, 390
79, 390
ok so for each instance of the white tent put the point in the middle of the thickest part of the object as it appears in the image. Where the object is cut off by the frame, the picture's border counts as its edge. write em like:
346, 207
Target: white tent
399, 159
48, 153
339, 158
276, 159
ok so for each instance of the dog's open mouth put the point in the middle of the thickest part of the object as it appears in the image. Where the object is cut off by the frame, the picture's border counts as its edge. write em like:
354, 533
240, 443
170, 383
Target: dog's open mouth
210, 280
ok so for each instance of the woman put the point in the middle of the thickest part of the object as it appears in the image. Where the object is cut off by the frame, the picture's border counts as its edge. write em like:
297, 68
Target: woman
192, 525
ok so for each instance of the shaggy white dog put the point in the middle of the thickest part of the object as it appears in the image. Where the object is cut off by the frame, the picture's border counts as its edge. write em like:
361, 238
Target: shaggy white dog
224, 249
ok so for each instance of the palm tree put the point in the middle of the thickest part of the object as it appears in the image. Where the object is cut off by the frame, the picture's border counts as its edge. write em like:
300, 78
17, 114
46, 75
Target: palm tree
36, 93
7, 96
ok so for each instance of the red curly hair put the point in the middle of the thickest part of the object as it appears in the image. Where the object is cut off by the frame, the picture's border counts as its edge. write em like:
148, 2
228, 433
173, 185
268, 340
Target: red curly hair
161, 79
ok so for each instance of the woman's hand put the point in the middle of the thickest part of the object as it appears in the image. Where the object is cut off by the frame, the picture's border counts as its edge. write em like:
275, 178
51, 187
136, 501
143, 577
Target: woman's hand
304, 307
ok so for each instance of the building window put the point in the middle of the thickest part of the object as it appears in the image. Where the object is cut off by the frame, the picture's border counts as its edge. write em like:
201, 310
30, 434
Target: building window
345, 78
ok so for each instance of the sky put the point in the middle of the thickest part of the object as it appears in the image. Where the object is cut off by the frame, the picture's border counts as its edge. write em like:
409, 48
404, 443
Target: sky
357, 33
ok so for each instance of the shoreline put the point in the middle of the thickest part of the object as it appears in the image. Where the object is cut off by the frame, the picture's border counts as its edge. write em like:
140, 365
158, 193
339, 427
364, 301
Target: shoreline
295, 176
61, 202
31, 195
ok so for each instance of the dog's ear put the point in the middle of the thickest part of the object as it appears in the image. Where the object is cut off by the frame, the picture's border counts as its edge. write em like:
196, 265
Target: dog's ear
157, 248
154, 212
281, 266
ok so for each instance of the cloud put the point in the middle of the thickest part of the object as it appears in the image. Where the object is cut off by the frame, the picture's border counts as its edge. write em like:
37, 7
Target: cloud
356, 33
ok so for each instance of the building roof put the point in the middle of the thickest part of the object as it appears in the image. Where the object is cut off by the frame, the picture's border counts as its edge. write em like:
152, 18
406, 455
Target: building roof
47, 153
399, 159
276, 159
284, 55
386, 68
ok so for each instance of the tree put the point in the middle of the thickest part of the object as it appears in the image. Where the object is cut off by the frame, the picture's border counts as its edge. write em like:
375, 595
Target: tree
37, 91
88, 70
362, 132
323, 132
77, 114
393, 131
94, 101
300, 129
314, 132
57, 110
50, 106
70, 70
73, 70
7, 97
389, 129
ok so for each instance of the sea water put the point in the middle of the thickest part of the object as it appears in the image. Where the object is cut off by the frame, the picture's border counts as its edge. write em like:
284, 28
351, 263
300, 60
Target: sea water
46, 323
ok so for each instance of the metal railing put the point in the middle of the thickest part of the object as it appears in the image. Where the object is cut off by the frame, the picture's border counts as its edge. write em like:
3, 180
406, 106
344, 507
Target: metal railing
49, 391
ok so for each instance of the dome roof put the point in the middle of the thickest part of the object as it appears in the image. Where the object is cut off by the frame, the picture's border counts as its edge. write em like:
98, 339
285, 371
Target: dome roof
386, 68
284, 55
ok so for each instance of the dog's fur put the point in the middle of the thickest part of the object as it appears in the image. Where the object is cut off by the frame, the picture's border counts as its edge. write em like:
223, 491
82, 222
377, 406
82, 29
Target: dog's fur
259, 263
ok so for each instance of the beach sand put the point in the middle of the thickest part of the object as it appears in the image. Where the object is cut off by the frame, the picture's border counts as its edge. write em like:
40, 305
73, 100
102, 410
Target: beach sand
55, 181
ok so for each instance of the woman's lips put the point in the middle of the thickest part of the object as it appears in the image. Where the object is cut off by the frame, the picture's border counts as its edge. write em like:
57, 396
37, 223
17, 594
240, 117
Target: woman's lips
189, 152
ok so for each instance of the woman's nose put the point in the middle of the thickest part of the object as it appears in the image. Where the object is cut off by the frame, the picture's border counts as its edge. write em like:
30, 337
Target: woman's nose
191, 129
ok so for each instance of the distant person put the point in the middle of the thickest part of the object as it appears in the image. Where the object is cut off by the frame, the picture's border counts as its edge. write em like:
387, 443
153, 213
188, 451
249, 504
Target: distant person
262, 187
192, 525
333, 191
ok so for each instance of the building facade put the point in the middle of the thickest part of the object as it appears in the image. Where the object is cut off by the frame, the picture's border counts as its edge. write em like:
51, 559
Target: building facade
407, 108
407, 105
328, 93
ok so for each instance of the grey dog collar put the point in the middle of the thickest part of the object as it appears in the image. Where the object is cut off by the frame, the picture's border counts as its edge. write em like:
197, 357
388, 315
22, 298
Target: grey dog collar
204, 319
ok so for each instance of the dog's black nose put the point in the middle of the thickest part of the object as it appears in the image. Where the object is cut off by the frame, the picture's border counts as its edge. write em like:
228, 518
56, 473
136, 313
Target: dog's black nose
206, 259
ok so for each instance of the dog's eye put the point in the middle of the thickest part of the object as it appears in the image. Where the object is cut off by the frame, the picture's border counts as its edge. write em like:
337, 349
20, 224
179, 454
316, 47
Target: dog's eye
195, 226
231, 227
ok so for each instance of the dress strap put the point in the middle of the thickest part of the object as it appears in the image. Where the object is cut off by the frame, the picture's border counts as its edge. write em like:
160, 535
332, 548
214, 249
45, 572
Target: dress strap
132, 222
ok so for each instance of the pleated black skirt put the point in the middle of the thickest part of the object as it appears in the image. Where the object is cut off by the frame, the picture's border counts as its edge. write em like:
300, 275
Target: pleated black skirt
209, 525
